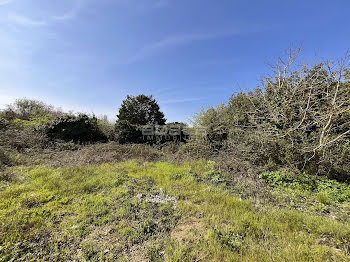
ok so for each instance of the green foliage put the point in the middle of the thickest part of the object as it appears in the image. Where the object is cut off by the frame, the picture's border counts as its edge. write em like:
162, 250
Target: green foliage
106, 127
285, 179
229, 239
80, 128
325, 189
135, 112
33, 122
28, 110
127, 133
141, 110
90, 251
214, 176
4, 123
324, 198
21, 124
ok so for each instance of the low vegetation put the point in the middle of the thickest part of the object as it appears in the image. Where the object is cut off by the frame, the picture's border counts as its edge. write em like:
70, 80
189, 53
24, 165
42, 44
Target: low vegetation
326, 189
106, 213
264, 177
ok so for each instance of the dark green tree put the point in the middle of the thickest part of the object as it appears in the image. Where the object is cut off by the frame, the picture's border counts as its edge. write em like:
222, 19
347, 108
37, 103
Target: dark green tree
135, 112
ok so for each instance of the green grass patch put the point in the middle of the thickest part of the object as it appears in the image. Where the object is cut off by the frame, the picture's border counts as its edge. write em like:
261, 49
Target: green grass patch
104, 213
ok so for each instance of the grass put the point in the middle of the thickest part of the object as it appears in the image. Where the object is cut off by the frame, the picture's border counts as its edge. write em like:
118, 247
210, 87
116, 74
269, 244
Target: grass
309, 194
95, 214
70, 154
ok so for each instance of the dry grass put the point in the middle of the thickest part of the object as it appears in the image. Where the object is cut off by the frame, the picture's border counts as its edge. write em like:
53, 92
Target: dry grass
189, 229
94, 154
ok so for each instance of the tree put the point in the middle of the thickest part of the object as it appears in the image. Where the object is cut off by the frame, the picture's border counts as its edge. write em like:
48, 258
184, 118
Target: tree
137, 111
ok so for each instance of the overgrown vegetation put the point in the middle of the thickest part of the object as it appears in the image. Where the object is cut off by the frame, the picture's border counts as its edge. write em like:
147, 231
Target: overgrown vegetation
326, 189
264, 177
5, 159
298, 118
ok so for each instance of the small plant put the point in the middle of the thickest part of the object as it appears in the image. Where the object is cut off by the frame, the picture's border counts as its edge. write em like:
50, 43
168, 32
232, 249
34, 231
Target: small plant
149, 227
215, 176
324, 198
155, 253
90, 251
229, 239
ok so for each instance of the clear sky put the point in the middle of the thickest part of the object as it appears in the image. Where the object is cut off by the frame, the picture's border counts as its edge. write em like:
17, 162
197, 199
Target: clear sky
87, 55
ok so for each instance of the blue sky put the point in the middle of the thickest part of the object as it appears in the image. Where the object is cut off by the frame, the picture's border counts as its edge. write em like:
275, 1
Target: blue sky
87, 55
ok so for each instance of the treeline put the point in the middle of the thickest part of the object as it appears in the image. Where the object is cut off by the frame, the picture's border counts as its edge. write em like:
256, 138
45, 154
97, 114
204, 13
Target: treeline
298, 118
34, 123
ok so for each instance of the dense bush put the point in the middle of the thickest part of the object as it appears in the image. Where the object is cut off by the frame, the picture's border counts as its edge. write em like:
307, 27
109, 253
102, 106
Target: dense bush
29, 110
31, 124
299, 118
178, 132
126, 132
20, 124
80, 128
5, 160
19, 138
160, 135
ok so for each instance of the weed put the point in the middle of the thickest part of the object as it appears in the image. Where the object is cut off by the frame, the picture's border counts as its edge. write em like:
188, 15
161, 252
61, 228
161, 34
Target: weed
229, 239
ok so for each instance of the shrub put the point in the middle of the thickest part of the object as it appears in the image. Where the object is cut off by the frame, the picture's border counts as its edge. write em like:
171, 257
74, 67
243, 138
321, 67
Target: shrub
107, 128
5, 160
21, 138
196, 149
80, 128
290, 180
27, 109
21, 124
298, 118
3, 123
